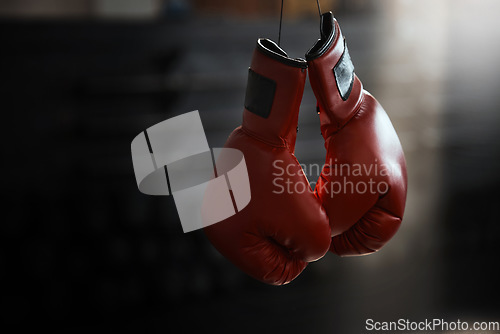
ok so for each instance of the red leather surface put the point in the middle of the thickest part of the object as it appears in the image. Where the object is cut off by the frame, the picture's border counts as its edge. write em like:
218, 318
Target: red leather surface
277, 234
280, 127
325, 89
358, 133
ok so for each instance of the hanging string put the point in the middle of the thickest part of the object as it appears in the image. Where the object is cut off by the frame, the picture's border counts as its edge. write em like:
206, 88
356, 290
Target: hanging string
281, 19
319, 8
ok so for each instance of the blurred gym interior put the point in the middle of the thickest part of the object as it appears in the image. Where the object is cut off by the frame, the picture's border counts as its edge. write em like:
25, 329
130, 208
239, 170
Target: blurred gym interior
84, 250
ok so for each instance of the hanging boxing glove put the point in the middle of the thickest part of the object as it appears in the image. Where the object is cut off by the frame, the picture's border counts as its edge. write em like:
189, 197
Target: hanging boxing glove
284, 226
363, 182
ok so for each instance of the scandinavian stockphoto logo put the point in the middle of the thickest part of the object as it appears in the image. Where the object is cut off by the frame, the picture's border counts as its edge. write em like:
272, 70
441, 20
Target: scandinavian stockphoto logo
342, 178
173, 158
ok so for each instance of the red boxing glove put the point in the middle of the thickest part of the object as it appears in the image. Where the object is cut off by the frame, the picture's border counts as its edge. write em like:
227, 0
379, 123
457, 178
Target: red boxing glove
363, 183
274, 237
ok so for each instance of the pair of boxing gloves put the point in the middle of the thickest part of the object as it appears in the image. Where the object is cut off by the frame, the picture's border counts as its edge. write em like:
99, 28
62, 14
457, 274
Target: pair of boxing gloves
358, 201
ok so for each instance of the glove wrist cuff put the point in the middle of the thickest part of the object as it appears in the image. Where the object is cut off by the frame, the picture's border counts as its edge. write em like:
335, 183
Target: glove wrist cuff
331, 73
274, 92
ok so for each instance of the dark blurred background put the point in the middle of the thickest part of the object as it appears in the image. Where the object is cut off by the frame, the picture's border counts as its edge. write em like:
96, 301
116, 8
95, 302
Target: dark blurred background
84, 250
